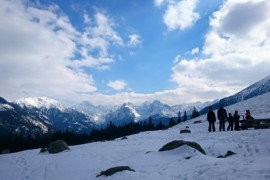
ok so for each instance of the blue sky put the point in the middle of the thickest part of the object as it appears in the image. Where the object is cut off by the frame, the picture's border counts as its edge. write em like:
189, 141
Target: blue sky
115, 51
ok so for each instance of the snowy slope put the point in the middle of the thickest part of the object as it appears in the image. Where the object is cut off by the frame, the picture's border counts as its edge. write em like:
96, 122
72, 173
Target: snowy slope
140, 152
257, 88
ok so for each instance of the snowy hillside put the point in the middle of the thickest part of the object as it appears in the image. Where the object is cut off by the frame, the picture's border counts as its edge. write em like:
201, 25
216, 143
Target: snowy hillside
257, 88
140, 152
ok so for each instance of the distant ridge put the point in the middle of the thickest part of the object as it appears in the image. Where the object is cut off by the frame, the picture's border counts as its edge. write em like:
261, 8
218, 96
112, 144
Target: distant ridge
256, 89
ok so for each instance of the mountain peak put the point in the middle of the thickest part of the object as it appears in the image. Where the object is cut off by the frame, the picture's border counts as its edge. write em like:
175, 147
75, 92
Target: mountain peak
40, 102
3, 101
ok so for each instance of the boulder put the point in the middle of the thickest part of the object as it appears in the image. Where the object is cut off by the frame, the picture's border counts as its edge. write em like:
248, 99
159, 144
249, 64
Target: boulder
197, 122
229, 153
55, 147
114, 170
185, 131
178, 143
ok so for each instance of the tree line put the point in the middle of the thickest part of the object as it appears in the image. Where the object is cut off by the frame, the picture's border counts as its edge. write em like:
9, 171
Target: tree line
14, 142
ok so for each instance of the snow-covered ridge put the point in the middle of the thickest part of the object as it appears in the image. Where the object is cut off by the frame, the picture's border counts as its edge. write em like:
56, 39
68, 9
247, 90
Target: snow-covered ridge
261, 85
4, 107
259, 107
40, 102
132, 109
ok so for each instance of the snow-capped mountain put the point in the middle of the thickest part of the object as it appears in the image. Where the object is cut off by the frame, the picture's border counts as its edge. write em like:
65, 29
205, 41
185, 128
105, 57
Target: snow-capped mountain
122, 115
156, 110
13, 118
256, 89
97, 113
38, 114
130, 113
40, 102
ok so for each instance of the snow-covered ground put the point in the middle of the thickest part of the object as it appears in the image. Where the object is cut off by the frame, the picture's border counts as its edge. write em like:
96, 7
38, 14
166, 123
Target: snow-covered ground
140, 152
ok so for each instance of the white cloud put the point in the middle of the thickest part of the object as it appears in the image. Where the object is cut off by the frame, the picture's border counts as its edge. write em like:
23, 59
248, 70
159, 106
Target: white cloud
180, 15
98, 37
38, 47
172, 97
135, 40
234, 57
195, 51
117, 84
169, 96
158, 2
86, 18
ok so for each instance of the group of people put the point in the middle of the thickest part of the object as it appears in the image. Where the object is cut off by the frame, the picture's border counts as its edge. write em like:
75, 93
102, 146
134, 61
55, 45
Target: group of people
222, 117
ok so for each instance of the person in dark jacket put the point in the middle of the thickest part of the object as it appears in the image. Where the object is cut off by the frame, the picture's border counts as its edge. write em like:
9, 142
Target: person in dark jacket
236, 119
222, 116
211, 118
230, 120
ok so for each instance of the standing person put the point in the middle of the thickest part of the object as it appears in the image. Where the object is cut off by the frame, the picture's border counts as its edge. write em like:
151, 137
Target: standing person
211, 118
222, 115
230, 119
236, 119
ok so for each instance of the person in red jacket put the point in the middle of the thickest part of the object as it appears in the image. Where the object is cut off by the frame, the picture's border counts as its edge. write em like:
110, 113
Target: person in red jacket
248, 116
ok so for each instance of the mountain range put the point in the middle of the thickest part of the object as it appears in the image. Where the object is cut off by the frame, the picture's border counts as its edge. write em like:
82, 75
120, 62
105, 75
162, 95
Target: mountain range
38, 114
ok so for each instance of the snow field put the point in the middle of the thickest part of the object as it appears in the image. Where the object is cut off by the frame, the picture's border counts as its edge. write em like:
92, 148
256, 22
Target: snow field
140, 152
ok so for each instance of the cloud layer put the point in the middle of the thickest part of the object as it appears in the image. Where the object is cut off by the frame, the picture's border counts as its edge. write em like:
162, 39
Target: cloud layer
235, 53
42, 54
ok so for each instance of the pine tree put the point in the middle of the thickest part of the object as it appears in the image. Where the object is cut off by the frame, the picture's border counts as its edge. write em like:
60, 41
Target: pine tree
150, 124
195, 113
179, 117
185, 116
171, 122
